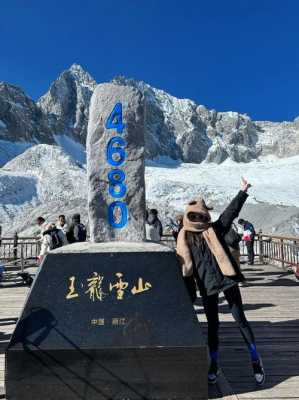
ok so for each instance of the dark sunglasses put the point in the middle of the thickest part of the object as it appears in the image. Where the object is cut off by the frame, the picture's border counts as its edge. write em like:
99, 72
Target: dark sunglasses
199, 217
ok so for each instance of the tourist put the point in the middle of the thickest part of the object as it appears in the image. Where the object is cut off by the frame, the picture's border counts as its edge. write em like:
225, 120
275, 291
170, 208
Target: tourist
61, 224
77, 230
248, 237
52, 238
41, 222
153, 226
204, 255
233, 239
178, 226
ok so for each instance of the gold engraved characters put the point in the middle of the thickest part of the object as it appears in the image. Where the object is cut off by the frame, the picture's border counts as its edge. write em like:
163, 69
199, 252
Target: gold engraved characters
72, 292
99, 321
93, 287
120, 286
95, 290
112, 322
141, 287
118, 321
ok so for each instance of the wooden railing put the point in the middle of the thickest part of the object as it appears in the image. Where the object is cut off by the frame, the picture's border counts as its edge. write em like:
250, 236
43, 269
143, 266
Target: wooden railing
268, 249
18, 248
281, 250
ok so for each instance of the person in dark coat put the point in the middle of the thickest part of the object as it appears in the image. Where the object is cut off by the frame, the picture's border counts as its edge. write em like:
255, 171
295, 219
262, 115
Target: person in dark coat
249, 235
205, 258
178, 226
77, 230
232, 239
154, 222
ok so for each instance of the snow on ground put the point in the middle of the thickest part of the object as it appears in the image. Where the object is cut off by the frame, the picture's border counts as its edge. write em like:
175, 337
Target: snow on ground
274, 181
18, 194
45, 180
71, 147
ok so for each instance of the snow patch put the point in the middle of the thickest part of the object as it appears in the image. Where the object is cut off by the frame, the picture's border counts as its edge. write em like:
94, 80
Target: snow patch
71, 147
16, 190
273, 183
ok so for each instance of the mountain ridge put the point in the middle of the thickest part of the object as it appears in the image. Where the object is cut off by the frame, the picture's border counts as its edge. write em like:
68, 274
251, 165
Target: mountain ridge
176, 128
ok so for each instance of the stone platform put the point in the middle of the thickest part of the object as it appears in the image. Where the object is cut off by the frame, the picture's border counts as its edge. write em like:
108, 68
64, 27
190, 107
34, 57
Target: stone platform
107, 320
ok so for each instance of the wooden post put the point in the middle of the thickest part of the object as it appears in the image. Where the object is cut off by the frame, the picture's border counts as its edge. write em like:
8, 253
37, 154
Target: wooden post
282, 253
0, 234
261, 246
15, 246
22, 257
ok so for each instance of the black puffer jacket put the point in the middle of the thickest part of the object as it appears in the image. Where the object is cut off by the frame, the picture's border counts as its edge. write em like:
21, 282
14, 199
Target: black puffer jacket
206, 270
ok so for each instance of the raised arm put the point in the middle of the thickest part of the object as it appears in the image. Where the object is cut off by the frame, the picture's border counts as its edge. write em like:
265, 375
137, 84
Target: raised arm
233, 209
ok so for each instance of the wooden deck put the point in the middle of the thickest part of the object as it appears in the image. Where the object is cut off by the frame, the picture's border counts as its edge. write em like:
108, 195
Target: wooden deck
271, 305
271, 302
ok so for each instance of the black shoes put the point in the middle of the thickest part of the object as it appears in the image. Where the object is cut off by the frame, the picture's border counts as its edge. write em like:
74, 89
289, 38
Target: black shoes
259, 372
213, 373
27, 279
257, 366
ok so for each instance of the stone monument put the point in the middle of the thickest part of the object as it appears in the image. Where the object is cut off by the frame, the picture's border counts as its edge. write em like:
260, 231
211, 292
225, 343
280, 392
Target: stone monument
110, 318
115, 164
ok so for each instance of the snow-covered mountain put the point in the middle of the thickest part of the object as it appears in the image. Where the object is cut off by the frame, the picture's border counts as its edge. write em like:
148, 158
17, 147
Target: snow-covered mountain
44, 180
176, 128
190, 150
66, 104
183, 130
59, 117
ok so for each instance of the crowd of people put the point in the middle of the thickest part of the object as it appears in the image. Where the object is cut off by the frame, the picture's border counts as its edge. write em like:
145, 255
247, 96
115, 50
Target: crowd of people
54, 235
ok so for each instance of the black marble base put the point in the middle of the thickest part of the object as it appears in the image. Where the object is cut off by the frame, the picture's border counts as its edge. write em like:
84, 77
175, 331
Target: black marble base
137, 340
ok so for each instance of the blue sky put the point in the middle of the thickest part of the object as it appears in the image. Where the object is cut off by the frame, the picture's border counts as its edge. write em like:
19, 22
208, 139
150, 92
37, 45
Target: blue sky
240, 55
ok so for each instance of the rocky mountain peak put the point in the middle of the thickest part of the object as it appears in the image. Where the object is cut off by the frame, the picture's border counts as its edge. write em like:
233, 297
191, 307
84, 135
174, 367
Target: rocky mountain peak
20, 118
176, 128
80, 75
67, 102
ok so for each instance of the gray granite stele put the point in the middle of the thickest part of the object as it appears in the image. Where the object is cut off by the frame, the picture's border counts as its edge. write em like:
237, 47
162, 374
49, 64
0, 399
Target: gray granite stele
102, 102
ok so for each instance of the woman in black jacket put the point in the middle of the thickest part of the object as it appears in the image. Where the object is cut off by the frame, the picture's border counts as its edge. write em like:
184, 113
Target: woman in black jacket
205, 257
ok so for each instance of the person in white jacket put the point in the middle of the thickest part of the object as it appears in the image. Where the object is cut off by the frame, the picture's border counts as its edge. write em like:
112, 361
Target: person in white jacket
61, 224
41, 222
52, 239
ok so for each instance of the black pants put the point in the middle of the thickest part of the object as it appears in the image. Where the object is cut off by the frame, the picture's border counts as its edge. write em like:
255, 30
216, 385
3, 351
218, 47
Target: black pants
250, 251
191, 287
234, 299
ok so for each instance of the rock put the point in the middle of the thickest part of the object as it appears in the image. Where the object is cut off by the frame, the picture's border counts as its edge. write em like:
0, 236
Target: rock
22, 120
105, 97
66, 104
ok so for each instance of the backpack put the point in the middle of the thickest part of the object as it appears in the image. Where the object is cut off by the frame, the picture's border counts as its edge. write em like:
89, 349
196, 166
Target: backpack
247, 235
56, 240
81, 233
